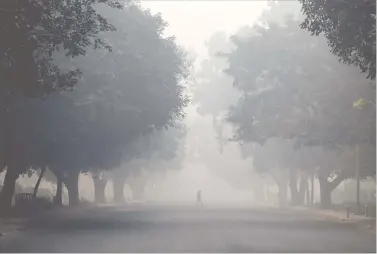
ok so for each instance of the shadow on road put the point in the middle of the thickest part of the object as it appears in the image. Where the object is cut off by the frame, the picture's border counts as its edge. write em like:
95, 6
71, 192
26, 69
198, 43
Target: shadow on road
185, 229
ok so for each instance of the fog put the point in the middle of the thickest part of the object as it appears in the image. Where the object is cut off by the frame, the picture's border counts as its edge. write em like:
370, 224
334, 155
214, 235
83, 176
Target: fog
212, 154
188, 126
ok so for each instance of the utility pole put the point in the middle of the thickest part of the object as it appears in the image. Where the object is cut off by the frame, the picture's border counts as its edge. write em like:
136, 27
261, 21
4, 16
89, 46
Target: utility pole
307, 194
357, 179
312, 190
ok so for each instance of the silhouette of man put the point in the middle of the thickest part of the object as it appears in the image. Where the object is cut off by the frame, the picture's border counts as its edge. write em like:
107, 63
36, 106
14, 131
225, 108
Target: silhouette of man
199, 198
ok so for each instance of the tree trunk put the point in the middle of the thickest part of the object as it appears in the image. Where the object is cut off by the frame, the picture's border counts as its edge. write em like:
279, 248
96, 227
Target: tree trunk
137, 193
6, 194
302, 189
282, 195
324, 190
137, 189
357, 176
327, 187
118, 189
35, 192
312, 190
307, 193
58, 200
325, 193
258, 191
99, 189
73, 188
293, 187
282, 185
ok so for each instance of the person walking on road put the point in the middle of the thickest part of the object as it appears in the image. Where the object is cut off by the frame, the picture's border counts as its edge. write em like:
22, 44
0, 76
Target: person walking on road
199, 198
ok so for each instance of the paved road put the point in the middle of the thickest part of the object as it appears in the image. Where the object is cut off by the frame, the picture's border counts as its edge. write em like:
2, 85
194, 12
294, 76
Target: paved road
184, 229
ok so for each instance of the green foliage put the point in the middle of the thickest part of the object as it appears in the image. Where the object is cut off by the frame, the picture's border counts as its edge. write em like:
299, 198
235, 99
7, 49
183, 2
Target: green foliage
33, 30
294, 88
123, 93
349, 27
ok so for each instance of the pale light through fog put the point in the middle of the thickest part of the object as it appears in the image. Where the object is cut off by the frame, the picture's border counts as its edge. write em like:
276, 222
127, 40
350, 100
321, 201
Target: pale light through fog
196, 126
193, 23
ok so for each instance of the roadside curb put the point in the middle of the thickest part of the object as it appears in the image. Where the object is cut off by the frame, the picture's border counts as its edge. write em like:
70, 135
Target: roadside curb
362, 222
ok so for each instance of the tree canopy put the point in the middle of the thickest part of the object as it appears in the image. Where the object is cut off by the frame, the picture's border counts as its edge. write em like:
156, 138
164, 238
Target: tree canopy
294, 88
349, 27
34, 30
287, 91
122, 93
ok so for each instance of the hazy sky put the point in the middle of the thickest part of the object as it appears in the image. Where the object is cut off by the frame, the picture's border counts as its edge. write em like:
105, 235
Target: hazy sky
193, 22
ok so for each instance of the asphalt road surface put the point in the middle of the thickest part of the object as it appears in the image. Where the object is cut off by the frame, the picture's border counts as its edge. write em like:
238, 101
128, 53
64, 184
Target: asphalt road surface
187, 229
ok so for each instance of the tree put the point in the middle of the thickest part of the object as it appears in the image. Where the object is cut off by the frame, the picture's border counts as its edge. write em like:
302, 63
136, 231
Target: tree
212, 90
263, 163
88, 128
278, 158
142, 94
349, 27
153, 154
35, 191
34, 30
270, 87
285, 77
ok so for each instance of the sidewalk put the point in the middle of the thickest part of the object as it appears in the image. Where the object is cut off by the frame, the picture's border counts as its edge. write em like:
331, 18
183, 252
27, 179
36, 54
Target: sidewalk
357, 220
